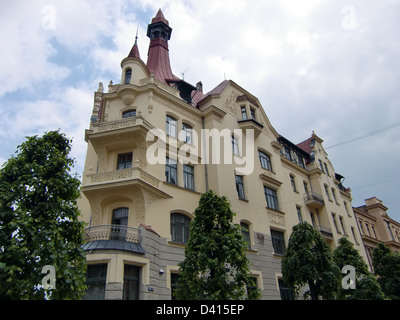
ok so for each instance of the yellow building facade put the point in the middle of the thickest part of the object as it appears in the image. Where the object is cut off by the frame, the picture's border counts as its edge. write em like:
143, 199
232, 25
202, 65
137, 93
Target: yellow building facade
377, 227
156, 142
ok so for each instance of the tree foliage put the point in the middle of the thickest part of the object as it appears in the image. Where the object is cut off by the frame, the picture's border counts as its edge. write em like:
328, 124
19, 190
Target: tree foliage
387, 268
366, 285
308, 260
215, 265
39, 221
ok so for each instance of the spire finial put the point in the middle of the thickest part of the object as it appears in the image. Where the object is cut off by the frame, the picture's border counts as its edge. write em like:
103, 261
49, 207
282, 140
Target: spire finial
137, 31
134, 53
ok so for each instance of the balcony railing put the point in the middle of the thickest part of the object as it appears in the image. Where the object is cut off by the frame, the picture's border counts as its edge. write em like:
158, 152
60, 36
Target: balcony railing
124, 174
112, 232
314, 199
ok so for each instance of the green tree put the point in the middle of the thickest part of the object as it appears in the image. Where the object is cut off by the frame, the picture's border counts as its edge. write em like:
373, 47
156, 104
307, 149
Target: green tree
215, 265
366, 285
308, 260
387, 268
39, 221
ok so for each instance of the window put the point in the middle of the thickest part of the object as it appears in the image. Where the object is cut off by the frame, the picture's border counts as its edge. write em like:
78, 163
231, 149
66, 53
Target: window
131, 282
293, 183
390, 229
187, 133
326, 169
124, 161
179, 228
313, 219
334, 196
305, 187
251, 288
246, 234
243, 112
253, 113
342, 225
373, 231
361, 226
320, 165
367, 228
128, 75
188, 177
299, 216
174, 284
96, 275
119, 218
239, 186
347, 209
171, 171
235, 146
335, 222
271, 198
278, 242
327, 192
265, 160
285, 291
354, 235
171, 126
128, 114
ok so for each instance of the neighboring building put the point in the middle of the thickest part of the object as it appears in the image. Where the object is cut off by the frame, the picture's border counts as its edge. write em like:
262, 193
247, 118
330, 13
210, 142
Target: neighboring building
377, 227
138, 195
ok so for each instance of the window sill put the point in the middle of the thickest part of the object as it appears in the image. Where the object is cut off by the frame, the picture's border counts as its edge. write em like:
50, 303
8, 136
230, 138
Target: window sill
252, 251
274, 210
278, 255
243, 199
176, 244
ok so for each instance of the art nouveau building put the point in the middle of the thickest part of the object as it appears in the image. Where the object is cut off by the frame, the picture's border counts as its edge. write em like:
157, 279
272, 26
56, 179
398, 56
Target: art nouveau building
156, 142
377, 227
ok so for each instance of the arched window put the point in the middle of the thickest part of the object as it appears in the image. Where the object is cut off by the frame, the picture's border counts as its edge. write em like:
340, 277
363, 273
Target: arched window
129, 113
128, 75
179, 227
120, 216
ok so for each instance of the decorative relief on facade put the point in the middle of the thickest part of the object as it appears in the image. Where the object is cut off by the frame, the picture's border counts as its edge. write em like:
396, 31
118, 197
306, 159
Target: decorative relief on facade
118, 124
230, 103
125, 174
276, 218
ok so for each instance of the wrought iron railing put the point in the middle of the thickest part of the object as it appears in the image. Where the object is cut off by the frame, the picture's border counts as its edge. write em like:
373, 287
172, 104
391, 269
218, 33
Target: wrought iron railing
112, 232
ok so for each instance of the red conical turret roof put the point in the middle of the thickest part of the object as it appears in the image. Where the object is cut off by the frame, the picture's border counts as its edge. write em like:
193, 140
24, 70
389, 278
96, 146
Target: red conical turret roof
158, 61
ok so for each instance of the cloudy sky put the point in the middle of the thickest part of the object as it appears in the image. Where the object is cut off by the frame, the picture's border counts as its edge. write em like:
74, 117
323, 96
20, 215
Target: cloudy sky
330, 66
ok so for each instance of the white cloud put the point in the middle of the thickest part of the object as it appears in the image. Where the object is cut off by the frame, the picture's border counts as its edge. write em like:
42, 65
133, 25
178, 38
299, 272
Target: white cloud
308, 69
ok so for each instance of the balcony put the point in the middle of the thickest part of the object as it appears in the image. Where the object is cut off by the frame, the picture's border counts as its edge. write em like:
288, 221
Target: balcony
251, 124
314, 200
326, 232
113, 237
134, 173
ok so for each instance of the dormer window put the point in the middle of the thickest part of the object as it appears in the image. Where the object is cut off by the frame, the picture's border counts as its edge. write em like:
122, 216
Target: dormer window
128, 75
